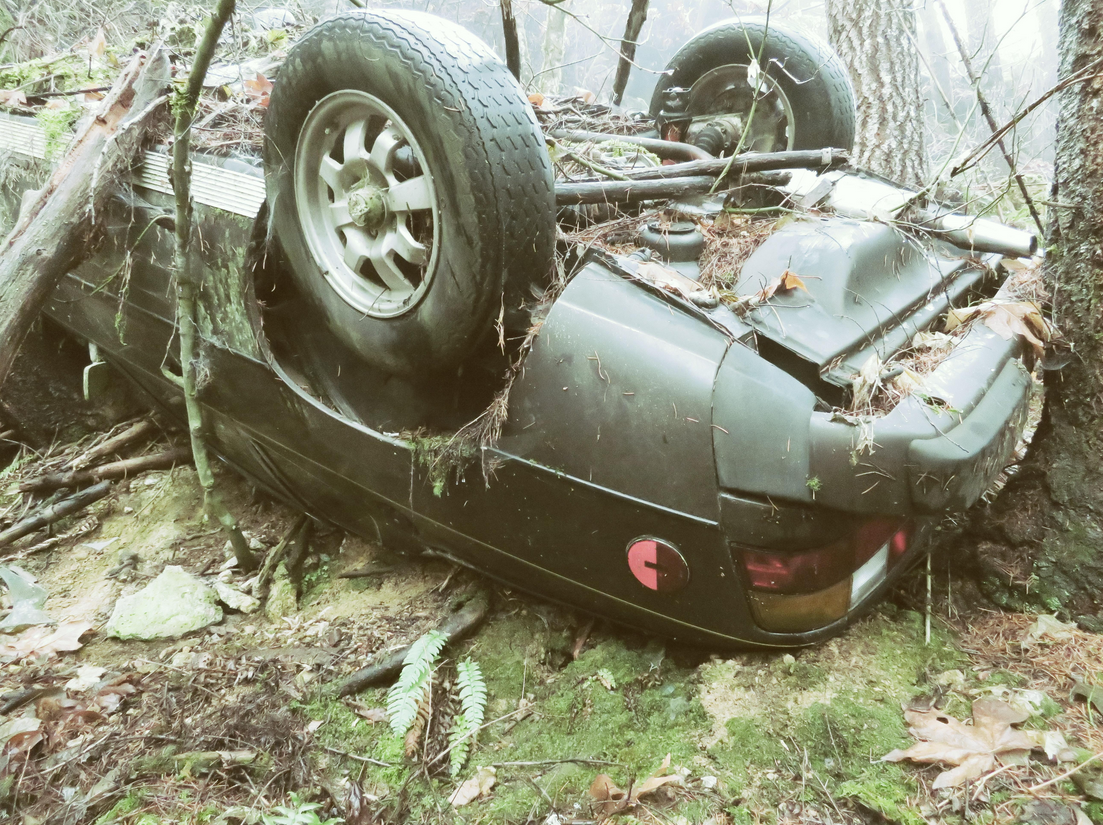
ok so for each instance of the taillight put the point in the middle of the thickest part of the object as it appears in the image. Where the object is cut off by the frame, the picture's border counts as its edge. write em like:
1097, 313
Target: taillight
806, 589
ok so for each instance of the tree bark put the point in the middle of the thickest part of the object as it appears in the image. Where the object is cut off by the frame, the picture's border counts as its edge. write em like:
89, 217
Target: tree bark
56, 230
875, 40
1041, 542
637, 16
513, 42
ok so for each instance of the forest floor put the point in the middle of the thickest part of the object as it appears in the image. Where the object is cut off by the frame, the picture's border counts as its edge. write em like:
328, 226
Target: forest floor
586, 722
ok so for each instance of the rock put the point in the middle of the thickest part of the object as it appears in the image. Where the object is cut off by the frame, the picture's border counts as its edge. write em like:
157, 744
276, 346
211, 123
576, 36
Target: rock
234, 598
282, 600
171, 605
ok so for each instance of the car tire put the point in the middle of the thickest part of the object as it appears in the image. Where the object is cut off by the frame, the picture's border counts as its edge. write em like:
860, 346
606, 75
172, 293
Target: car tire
408, 184
810, 80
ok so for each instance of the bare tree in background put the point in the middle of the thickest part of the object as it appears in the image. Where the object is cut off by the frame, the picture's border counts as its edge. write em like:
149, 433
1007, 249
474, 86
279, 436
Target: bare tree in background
876, 40
555, 47
1041, 542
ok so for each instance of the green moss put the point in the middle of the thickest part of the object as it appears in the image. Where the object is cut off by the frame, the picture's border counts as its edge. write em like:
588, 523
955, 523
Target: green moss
57, 126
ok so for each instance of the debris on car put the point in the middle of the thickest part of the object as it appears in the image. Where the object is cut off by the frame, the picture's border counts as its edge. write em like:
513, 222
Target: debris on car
703, 361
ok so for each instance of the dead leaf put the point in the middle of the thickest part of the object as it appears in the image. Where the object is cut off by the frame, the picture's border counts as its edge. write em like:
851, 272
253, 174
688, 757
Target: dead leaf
40, 641
609, 797
12, 97
536, 99
1089, 693
1007, 319
865, 383
789, 280
259, 90
1048, 628
673, 281
973, 750
98, 45
373, 715
1054, 744
474, 788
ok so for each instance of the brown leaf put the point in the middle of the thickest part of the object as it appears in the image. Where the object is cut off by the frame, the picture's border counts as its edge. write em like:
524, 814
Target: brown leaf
40, 641
973, 750
12, 97
789, 280
373, 715
536, 99
474, 788
1006, 319
259, 89
98, 45
608, 796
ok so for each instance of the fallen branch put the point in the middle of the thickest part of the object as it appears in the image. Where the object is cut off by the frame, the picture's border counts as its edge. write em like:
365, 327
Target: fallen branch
823, 159
128, 436
119, 469
456, 627
56, 511
54, 232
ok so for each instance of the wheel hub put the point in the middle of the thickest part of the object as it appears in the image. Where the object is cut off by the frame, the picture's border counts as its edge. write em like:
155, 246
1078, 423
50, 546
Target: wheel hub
367, 204
368, 207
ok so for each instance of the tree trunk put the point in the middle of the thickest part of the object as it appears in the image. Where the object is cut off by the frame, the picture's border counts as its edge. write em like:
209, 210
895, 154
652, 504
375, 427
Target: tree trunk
56, 230
555, 46
513, 44
876, 40
637, 16
1041, 542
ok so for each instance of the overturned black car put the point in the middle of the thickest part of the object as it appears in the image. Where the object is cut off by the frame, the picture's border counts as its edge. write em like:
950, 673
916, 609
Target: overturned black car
398, 344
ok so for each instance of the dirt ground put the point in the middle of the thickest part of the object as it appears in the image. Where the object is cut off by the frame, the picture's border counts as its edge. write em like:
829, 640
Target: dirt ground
585, 722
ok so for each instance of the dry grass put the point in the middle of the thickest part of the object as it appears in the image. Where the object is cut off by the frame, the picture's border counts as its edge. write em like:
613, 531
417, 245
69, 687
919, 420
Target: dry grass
730, 240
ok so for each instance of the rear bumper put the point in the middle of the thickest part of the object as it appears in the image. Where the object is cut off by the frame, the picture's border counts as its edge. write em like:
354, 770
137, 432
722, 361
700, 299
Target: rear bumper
935, 454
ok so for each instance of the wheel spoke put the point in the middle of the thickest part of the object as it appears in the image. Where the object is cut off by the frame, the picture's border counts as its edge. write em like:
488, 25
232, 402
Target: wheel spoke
330, 170
382, 151
358, 248
339, 214
411, 195
404, 245
382, 258
355, 137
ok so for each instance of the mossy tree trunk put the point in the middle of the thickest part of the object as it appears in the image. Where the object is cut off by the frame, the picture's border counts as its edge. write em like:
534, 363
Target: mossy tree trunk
1041, 542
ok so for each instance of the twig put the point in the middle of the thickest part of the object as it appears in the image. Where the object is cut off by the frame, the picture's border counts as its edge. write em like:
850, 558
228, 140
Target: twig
986, 111
1035, 788
1087, 73
65, 507
545, 762
367, 760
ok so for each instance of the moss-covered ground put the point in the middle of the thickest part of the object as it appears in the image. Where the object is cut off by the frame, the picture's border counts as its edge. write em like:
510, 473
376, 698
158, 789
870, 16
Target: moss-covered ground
751, 732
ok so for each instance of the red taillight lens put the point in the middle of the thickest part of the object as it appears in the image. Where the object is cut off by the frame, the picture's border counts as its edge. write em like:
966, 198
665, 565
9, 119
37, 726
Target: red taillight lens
809, 571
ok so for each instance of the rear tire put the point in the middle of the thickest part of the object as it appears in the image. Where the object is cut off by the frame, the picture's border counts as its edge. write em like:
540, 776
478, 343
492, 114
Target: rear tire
408, 183
808, 83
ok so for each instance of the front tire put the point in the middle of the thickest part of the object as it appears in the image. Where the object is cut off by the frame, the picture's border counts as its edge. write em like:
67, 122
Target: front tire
408, 183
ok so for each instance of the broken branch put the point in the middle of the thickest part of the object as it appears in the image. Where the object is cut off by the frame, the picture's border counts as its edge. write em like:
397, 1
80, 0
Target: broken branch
128, 436
56, 511
118, 469
53, 234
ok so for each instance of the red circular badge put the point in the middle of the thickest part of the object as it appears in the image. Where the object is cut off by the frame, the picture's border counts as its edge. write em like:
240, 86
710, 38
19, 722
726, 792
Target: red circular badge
657, 565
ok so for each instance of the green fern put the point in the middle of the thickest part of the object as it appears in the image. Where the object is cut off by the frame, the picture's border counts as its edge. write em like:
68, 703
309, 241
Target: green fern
472, 688
417, 668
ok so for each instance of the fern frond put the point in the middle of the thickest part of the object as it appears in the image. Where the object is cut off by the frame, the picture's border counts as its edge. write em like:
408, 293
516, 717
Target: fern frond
406, 694
472, 689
